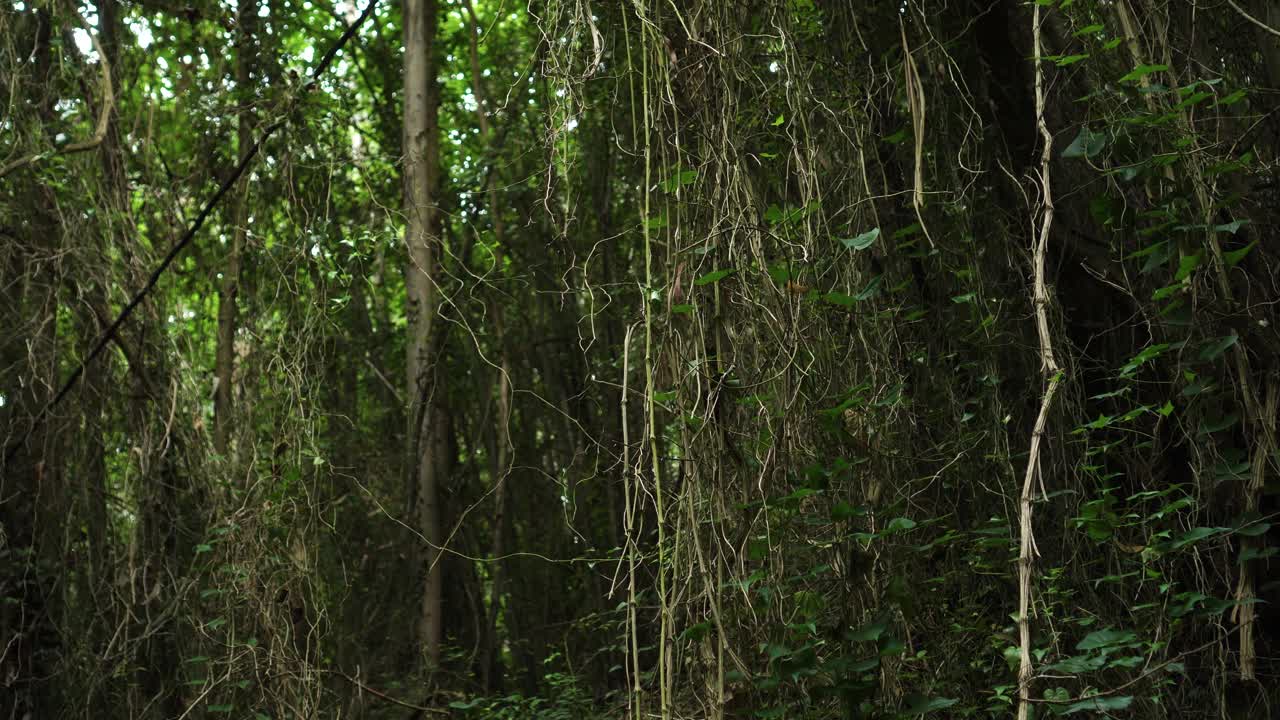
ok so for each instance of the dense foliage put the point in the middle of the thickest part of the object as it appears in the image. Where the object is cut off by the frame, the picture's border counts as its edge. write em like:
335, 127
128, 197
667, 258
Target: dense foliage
719, 358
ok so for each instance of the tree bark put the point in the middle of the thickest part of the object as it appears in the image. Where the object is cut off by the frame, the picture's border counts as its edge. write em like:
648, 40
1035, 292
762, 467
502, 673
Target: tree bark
224, 362
426, 413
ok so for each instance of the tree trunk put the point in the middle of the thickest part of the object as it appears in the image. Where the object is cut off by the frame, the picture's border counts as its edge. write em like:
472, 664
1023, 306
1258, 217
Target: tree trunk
426, 412
224, 362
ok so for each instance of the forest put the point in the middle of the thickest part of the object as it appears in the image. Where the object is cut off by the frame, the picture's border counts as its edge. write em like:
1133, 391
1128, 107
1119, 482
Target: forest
639, 359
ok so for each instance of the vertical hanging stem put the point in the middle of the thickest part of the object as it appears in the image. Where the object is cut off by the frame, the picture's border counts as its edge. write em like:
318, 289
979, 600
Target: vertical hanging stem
633, 658
1049, 369
650, 406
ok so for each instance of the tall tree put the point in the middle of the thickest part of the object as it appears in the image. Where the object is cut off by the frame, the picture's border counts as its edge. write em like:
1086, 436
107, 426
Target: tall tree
427, 413
228, 308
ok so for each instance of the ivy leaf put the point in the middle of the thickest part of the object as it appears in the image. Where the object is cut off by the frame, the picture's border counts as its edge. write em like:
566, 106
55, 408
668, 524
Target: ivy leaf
1230, 227
871, 289
714, 276
1214, 349
1194, 535
1254, 530
1232, 99
840, 299
863, 241
897, 525
919, 704
1187, 265
1142, 71
1105, 638
1100, 704
1219, 424
868, 633
678, 179
1234, 257
1087, 144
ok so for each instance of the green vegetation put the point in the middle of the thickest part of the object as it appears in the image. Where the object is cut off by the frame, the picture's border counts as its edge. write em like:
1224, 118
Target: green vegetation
646, 359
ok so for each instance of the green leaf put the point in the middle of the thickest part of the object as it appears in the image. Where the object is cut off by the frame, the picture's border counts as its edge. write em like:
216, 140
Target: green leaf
1230, 227
1012, 656
1193, 99
1142, 71
1194, 535
1254, 530
1251, 553
1149, 353
1088, 30
1233, 98
1078, 664
891, 647
840, 299
1234, 257
714, 276
868, 633
1105, 638
870, 290
863, 241
919, 704
1087, 144
1100, 704
1218, 424
681, 309
897, 525
1214, 349
696, 632
1066, 60
779, 120
1186, 265
844, 511
897, 137
679, 179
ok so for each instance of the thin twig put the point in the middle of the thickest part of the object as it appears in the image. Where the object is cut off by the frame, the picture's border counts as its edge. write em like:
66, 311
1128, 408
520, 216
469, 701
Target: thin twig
384, 696
1253, 19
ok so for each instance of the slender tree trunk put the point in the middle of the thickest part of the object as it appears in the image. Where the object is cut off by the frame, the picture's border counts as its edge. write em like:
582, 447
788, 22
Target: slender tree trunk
426, 412
224, 362
501, 437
